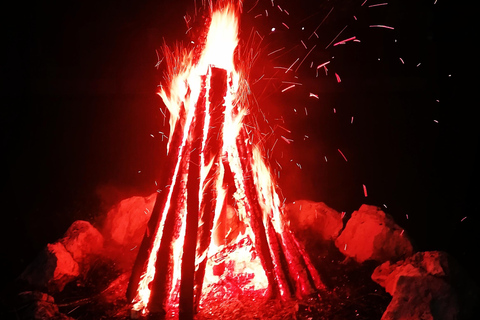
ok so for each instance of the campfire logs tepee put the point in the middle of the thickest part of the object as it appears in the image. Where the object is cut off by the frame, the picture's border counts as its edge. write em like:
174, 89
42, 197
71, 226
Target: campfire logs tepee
217, 175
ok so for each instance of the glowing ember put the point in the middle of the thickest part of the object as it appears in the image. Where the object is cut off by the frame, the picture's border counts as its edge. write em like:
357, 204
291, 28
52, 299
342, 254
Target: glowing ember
220, 217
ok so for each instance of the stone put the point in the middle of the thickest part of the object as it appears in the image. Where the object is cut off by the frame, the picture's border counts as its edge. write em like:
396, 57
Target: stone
371, 234
53, 268
125, 223
427, 285
433, 263
38, 305
317, 217
83, 241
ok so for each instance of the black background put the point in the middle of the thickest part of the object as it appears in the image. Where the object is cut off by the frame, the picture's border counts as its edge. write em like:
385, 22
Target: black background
78, 84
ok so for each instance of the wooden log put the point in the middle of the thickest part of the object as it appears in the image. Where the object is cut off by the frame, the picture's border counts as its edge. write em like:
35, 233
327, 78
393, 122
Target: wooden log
156, 216
256, 215
161, 284
186, 303
211, 152
287, 286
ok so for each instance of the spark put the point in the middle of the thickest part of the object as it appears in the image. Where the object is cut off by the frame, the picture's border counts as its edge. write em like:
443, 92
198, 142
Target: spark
340, 151
304, 45
401, 60
276, 140
322, 65
381, 26
292, 65
296, 69
336, 36
279, 165
286, 139
159, 61
285, 25
365, 191
285, 129
378, 5
259, 78
289, 87
338, 78
463, 219
314, 31
275, 51
344, 41
313, 95
290, 82
162, 112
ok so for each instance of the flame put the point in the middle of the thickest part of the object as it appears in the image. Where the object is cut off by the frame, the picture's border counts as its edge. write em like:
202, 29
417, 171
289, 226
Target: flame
181, 96
222, 39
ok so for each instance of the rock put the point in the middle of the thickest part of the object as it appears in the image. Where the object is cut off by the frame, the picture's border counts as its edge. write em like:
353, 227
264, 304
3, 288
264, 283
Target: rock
427, 285
125, 223
83, 241
316, 217
61, 262
53, 268
370, 234
38, 305
422, 263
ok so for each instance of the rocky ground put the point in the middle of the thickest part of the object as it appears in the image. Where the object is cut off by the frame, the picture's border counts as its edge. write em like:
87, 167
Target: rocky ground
366, 261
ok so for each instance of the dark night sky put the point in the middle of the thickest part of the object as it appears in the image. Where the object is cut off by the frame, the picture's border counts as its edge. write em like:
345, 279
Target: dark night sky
78, 87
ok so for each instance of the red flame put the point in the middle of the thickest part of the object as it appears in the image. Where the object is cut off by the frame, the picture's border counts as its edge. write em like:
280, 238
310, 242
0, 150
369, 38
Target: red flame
215, 163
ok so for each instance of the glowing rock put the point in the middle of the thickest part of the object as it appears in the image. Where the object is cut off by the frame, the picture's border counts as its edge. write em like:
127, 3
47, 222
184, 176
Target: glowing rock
317, 217
53, 268
83, 241
427, 285
125, 222
370, 234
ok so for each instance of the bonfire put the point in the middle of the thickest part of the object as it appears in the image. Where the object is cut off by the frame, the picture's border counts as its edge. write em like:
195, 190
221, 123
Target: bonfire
220, 216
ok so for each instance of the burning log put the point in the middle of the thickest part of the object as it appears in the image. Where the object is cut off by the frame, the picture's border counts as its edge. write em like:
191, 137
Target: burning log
212, 161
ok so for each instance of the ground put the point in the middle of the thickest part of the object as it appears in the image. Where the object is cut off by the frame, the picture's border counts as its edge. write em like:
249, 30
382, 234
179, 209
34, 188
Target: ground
350, 294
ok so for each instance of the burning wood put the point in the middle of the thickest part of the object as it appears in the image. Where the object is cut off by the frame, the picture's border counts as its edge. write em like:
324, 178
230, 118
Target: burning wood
216, 171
